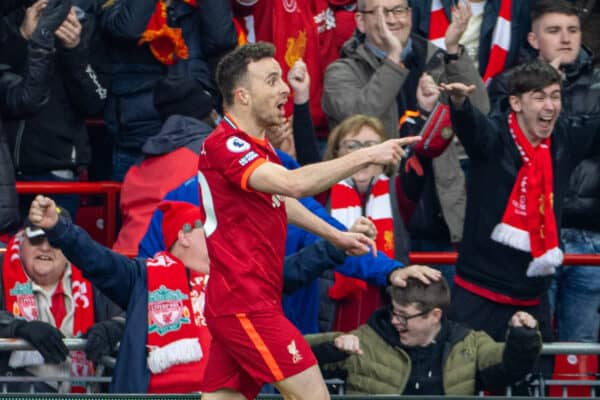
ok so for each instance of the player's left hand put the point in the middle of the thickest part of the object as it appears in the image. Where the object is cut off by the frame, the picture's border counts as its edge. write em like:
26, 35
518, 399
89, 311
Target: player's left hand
355, 244
365, 226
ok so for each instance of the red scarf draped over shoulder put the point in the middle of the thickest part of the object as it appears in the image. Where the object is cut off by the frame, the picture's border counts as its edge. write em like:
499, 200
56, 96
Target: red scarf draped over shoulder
529, 223
178, 338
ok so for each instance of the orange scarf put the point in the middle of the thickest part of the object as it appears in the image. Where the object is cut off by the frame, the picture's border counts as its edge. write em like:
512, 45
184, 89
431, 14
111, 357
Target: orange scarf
166, 43
529, 223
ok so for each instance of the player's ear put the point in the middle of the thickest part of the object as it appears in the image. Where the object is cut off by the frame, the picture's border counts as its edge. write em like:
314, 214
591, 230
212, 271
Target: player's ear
242, 96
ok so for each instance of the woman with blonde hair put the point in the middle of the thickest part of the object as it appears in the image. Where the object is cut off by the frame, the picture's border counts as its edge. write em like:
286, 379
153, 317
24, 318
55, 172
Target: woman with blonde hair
385, 197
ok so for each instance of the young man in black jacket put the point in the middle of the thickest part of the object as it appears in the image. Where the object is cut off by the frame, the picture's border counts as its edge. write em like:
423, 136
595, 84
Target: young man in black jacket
522, 163
575, 292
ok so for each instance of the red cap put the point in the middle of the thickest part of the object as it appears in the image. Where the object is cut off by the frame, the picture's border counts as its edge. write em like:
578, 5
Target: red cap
176, 214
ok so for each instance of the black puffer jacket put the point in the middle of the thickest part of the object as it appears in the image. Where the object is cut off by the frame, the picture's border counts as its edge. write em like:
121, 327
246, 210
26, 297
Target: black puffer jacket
580, 101
19, 97
56, 137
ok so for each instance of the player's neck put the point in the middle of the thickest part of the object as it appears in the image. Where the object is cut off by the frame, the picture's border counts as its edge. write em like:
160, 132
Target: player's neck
244, 121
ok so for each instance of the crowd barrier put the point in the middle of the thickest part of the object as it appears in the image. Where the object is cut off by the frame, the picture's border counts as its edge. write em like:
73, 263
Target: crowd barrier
538, 386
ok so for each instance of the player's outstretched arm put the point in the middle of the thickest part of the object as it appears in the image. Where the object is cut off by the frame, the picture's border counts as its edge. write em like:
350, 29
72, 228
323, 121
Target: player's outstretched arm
316, 178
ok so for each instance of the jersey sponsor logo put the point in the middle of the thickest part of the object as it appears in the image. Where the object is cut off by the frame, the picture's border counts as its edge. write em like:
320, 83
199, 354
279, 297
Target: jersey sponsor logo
237, 145
247, 158
166, 310
293, 350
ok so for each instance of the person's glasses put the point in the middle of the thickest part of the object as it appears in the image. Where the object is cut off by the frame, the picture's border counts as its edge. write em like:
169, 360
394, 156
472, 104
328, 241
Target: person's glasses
398, 11
403, 319
353, 145
187, 227
37, 240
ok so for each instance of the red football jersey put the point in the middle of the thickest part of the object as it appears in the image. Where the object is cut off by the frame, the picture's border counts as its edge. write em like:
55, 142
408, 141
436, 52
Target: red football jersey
245, 229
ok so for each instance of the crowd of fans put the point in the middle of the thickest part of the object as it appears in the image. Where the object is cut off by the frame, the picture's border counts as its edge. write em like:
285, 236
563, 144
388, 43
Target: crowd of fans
494, 102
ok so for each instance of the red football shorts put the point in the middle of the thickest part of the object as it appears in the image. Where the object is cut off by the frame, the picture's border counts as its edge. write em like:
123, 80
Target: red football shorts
251, 349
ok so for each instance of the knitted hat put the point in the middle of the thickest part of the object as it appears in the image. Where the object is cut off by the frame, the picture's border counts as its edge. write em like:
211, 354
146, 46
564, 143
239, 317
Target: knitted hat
179, 215
182, 96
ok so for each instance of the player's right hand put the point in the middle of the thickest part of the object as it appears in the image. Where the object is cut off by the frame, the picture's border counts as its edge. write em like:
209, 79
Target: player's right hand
390, 151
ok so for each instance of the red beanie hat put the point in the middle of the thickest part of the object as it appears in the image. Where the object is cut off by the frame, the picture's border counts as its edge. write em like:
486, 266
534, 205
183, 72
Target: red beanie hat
176, 215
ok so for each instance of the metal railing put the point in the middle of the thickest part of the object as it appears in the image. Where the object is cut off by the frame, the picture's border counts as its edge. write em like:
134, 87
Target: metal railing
538, 386
34, 383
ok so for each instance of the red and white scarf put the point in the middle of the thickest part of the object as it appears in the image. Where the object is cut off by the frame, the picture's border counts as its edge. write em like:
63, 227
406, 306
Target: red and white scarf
178, 338
20, 301
529, 223
346, 206
166, 43
438, 24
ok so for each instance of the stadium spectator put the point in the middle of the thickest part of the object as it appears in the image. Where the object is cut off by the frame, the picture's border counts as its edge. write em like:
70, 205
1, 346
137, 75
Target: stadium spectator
556, 37
135, 284
378, 75
386, 197
411, 348
171, 156
151, 40
24, 95
53, 144
522, 161
44, 299
241, 182
494, 35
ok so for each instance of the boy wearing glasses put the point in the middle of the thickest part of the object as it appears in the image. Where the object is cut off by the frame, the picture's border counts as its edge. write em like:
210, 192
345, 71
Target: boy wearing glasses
411, 348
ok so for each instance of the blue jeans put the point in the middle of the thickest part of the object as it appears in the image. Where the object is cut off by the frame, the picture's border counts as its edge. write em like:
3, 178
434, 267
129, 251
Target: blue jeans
575, 291
122, 160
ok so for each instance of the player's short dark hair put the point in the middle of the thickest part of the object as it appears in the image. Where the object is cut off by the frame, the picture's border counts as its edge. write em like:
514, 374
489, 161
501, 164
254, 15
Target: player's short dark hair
423, 296
543, 7
531, 76
233, 67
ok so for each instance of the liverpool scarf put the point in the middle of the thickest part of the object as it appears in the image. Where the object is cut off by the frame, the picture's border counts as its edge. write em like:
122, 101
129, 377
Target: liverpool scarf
178, 338
166, 43
360, 299
528, 223
20, 301
438, 24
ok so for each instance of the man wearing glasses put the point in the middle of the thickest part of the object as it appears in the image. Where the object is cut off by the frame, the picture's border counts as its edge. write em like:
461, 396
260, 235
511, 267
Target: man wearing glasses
387, 72
410, 348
